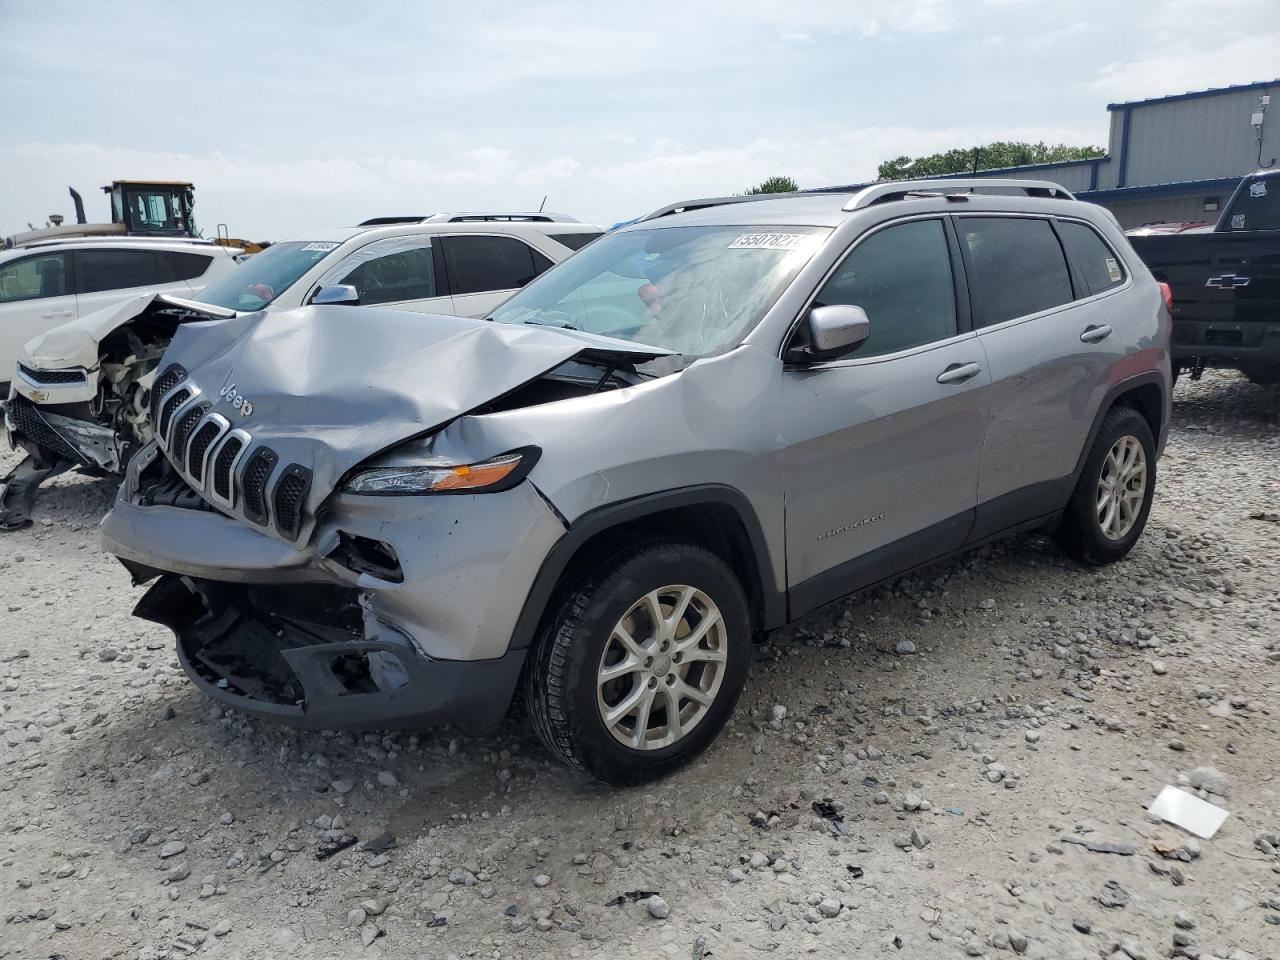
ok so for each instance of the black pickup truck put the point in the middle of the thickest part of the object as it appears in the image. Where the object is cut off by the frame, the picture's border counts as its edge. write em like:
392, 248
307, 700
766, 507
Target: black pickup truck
1225, 281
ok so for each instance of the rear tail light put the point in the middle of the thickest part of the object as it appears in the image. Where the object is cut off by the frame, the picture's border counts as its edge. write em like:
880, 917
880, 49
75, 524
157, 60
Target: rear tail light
1166, 291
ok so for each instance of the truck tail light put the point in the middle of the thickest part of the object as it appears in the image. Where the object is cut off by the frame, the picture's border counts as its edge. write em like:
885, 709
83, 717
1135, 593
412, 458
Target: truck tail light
1166, 291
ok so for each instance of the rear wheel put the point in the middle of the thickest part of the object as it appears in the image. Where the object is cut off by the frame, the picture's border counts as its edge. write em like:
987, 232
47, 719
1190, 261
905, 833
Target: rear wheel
642, 664
1109, 508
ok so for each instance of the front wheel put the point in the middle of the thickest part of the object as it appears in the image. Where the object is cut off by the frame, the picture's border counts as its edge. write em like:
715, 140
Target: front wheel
642, 664
1109, 507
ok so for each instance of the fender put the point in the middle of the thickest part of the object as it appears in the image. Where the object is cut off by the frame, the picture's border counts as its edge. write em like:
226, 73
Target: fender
773, 598
1108, 401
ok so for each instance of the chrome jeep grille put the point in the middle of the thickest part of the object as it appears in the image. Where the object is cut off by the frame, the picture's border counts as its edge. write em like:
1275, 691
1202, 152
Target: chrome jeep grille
223, 464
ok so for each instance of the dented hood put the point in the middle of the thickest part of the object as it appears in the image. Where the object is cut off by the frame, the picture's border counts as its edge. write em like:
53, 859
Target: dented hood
76, 343
327, 387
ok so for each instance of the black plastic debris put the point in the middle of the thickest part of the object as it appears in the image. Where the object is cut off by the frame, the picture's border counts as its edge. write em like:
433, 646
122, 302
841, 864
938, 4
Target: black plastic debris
897, 941
380, 844
820, 711
870, 782
826, 809
854, 871
1119, 849
439, 920
328, 849
631, 896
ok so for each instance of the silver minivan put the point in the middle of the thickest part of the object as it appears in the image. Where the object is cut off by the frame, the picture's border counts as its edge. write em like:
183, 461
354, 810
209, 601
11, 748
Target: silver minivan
699, 428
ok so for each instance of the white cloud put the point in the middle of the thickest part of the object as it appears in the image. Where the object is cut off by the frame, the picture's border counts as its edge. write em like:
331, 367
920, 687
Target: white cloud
1189, 66
796, 38
265, 197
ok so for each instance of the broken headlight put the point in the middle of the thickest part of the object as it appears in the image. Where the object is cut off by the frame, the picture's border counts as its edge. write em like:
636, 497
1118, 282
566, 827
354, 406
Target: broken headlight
487, 476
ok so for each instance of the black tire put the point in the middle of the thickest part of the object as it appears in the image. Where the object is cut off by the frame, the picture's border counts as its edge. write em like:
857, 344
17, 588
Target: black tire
560, 689
1081, 532
1263, 374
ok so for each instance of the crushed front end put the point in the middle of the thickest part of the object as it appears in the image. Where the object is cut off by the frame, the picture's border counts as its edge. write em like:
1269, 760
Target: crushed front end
392, 611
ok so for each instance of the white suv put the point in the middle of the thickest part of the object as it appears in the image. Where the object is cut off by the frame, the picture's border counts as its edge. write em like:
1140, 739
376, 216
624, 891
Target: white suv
462, 264
45, 284
81, 393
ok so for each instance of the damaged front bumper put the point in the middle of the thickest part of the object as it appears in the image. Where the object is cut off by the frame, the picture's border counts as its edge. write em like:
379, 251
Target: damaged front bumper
395, 611
314, 656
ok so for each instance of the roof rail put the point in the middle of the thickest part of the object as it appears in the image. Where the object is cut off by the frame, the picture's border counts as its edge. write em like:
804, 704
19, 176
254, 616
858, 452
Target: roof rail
685, 206
389, 221
901, 189
117, 239
537, 216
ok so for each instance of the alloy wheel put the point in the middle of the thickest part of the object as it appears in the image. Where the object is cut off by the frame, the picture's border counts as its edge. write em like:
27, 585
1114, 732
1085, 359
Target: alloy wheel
661, 667
1122, 485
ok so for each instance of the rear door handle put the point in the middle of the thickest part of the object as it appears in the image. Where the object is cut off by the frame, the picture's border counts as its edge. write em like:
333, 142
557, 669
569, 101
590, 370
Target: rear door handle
1094, 334
58, 314
959, 372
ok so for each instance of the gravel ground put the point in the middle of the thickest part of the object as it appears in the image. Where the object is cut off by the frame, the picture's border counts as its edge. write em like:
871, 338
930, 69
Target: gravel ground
913, 773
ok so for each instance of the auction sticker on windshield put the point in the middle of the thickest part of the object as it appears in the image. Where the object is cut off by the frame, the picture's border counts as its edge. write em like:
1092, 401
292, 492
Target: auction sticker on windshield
767, 241
321, 246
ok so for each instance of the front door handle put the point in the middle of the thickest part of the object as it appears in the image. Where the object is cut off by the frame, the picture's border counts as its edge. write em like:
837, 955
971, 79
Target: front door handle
58, 315
1095, 333
959, 372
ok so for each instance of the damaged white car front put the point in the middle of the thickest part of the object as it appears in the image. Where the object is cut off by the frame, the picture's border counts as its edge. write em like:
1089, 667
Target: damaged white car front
80, 394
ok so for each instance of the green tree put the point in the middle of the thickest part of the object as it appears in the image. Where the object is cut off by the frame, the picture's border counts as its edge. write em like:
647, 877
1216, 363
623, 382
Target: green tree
1002, 153
774, 185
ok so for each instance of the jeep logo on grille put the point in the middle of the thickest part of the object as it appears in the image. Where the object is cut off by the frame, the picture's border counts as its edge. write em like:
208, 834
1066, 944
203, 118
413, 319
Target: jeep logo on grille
236, 399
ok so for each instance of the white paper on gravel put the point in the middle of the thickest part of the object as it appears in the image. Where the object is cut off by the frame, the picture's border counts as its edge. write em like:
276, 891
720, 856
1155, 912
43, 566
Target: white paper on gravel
1191, 813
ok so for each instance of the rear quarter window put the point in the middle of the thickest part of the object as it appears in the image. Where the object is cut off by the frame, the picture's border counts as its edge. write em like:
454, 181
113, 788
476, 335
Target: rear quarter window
1095, 262
574, 241
188, 266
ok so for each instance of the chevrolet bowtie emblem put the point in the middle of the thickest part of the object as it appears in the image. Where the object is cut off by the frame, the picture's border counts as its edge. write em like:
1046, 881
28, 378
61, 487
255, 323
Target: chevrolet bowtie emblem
1227, 281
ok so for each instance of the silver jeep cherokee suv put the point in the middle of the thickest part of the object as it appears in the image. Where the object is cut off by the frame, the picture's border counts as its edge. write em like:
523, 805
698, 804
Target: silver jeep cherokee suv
698, 428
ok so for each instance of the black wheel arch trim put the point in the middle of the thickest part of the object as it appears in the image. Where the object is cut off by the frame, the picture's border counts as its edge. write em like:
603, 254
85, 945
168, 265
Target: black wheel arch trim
773, 601
1114, 393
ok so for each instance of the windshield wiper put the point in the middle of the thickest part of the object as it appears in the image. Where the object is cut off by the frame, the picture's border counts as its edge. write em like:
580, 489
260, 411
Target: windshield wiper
558, 326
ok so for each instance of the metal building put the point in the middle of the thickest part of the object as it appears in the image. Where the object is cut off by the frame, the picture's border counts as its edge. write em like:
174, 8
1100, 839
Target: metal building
1171, 158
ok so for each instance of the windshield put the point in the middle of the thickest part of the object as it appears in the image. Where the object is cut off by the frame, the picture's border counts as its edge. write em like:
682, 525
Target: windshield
266, 275
696, 291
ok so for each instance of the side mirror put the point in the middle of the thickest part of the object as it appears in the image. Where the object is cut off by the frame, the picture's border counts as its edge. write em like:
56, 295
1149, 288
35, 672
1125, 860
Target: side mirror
339, 293
829, 332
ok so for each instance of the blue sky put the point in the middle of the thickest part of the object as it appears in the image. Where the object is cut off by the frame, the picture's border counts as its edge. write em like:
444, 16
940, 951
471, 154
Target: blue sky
296, 116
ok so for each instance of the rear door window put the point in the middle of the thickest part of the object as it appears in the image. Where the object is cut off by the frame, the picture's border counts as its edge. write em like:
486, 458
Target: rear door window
34, 278
482, 264
1094, 261
116, 270
901, 276
1015, 267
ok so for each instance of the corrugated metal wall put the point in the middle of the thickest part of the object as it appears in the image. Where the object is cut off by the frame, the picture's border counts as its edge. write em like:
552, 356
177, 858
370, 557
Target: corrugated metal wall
1203, 137
1195, 139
